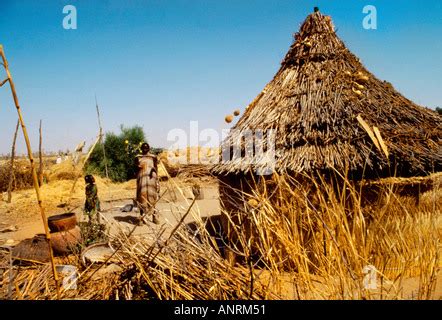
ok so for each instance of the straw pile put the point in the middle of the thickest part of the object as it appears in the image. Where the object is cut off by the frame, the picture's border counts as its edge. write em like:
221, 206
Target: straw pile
35, 282
191, 162
187, 268
313, 103
193, 171
65, 170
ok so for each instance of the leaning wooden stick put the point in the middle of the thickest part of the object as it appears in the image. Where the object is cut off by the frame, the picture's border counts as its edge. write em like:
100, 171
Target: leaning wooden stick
101, 138
34, 172
40, 157
11, 173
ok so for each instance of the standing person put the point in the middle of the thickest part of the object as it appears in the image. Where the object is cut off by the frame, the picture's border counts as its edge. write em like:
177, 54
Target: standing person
92, 203
148, 186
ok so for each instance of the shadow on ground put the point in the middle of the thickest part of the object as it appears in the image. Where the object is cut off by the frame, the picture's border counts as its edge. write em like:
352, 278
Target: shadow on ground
212, 224
128, 219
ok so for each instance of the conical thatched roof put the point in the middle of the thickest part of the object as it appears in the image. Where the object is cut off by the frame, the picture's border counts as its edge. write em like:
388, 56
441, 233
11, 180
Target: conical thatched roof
313, 103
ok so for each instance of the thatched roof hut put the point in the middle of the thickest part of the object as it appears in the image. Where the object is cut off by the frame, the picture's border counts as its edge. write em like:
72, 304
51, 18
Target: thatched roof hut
313, 104
326, 113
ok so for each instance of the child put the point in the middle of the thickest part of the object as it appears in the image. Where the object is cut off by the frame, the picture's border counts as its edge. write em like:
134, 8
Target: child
92, 203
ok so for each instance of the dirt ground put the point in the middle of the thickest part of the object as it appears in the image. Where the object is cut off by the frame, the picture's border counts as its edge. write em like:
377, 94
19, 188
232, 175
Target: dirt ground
21, 218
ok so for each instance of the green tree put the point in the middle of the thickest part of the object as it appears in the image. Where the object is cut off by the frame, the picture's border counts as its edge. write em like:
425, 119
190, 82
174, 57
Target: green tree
439, 110
120, 161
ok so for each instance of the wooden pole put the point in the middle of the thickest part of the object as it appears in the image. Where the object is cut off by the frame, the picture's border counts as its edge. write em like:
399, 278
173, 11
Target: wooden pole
34, 173
40, 155
101, 137
11, 173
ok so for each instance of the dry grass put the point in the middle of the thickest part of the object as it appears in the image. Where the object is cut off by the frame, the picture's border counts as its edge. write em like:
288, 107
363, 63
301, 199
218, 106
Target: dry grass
35, 282
325, 239
304, 244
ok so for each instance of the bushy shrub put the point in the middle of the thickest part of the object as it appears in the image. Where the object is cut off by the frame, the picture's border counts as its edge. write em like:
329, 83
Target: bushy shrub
120, 162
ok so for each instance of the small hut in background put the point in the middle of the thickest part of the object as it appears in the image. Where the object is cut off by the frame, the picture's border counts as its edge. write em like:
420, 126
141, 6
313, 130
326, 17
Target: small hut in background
328, 114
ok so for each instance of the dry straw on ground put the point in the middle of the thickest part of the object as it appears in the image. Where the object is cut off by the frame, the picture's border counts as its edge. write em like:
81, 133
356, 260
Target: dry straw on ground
307, 246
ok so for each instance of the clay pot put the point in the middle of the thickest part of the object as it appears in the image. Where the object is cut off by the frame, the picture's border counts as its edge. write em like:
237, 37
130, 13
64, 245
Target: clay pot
64, 242
62, 222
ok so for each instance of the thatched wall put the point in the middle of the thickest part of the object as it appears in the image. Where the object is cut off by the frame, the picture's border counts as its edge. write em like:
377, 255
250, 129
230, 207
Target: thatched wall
238, 198
232, 190
307, 194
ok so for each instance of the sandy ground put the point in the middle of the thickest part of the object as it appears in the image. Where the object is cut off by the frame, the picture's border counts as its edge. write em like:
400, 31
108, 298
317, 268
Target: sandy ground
23, 214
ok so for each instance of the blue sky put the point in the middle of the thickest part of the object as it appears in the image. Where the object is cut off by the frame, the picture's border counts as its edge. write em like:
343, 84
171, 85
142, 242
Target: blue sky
163, 63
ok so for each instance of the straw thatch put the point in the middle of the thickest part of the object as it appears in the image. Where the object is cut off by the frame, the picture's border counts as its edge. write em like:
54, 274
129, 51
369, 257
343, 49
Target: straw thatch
22, 178
313, 103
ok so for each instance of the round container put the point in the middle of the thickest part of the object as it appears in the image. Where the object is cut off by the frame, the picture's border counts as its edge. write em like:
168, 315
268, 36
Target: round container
62, 222
98, 253
64, 242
